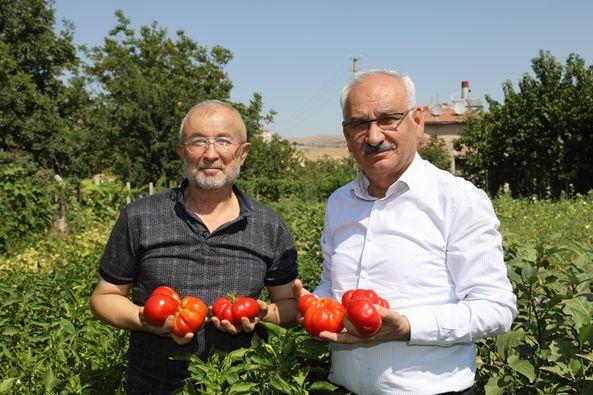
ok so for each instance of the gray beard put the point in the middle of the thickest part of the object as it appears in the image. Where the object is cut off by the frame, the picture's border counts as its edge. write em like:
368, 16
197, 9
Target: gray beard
210, 183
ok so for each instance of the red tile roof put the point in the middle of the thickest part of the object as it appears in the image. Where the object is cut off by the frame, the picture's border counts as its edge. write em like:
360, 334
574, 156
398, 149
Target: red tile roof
447, 116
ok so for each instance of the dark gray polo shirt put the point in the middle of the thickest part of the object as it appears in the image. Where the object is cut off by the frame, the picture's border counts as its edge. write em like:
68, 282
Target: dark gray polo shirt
157, 241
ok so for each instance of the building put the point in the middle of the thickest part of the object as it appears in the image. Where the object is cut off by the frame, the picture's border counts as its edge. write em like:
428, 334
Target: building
448, 122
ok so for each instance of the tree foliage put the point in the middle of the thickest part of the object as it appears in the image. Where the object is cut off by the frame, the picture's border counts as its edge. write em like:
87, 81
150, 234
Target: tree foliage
145, 82
540, 140
38, 109
435, 151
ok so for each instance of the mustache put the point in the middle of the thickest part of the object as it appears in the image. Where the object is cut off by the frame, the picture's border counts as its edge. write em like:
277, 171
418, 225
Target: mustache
213, 165
375, 149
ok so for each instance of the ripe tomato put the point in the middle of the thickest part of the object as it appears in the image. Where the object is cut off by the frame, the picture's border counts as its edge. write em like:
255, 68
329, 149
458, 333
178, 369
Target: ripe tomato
363, 293
326, 315
307, 301
364, 315
190, 316
232, 308
161, 303
357, 293
383, 302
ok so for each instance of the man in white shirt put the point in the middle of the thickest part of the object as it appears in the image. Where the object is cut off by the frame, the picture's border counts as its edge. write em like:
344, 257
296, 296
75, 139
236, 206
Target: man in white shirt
426, 241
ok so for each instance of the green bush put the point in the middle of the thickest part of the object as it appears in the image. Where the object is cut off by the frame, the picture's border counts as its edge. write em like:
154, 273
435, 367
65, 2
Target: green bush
26, 207
105, 200
435, 151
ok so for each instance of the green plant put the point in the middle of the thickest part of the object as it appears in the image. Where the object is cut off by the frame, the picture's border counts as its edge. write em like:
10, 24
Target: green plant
25, 205
289, 362
550, 347
435, 151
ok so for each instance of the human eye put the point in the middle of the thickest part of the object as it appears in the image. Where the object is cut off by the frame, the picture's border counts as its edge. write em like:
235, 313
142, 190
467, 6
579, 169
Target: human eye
223, 142
198, 142
388, 120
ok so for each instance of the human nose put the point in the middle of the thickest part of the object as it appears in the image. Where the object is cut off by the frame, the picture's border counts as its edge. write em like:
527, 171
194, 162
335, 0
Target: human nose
211, 151
375, 135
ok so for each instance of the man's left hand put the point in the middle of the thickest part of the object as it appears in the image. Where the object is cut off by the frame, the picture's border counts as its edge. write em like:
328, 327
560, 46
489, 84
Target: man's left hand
395, 327
246, 324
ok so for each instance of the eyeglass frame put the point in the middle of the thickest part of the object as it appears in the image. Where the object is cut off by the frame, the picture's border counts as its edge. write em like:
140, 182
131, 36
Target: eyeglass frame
209, 141
370, 121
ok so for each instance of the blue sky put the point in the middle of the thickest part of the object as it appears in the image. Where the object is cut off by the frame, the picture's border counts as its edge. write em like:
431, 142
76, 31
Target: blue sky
298, 54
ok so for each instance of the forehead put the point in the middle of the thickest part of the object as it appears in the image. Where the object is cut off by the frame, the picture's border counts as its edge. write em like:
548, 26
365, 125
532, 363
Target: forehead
213, 121
376, 94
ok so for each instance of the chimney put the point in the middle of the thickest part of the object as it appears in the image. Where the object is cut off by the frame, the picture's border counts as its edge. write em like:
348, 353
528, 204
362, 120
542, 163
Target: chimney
465, 90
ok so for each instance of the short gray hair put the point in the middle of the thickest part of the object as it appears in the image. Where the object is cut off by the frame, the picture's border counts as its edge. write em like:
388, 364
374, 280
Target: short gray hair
409, 86
209, 104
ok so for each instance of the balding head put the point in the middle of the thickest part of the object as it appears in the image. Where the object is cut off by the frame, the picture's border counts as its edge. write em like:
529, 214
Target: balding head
208, 107
406, 81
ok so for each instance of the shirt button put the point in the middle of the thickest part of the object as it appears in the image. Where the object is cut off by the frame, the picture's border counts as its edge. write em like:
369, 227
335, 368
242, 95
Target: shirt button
364, 274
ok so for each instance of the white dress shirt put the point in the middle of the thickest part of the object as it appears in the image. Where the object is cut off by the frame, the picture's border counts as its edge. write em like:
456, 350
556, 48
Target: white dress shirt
431, 247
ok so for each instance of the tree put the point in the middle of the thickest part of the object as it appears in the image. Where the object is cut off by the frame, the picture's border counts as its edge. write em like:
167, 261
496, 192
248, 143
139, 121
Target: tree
540, 140
435, 151
145, 83
38, 110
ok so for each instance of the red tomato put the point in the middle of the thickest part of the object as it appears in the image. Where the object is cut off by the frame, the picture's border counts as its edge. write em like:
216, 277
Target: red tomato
326, 315
190, 316
232, 308
307, 301
364, 315
383, 302
161, 303
358, 293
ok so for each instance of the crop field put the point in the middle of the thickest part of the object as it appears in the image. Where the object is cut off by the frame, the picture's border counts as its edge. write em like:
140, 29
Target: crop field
52, 344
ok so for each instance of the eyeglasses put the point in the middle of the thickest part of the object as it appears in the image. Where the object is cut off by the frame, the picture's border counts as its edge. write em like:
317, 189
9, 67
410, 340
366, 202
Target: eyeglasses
200, 145
358, 127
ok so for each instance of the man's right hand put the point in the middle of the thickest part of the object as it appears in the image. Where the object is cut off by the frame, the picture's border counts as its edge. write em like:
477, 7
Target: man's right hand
163, 331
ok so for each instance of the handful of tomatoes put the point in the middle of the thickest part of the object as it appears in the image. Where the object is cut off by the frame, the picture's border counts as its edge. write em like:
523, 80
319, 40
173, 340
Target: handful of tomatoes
190, 312
326, 314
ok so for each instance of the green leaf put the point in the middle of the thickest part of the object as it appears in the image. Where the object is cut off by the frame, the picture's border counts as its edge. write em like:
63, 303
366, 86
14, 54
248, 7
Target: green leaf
273, 329
559, 369
588, 357
49, 379
322, 386
6, 385
580, 310
495, 386
279, 384
11, 330
522, 366
509, 341
242, 388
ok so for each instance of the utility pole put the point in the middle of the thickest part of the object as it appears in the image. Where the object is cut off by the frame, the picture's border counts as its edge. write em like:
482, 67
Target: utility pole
354, 60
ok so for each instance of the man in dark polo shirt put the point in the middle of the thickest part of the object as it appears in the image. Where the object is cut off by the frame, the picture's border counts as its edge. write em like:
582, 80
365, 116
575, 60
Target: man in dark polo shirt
206, 239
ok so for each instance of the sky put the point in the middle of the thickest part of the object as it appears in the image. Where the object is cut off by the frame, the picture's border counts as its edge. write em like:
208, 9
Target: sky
298, 54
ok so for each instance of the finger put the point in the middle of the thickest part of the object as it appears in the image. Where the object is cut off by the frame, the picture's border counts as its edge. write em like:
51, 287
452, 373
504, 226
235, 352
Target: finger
168, 324
216, 322
344, 337
228, 327
350, 328
263, 308
182, 340
298, 290
247, 325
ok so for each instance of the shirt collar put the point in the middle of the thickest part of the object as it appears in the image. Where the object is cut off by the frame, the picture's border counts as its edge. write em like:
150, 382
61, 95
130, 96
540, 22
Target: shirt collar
410, 179
245, 207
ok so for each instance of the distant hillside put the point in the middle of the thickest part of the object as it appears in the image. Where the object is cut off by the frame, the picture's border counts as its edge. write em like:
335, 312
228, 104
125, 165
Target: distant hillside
317, 147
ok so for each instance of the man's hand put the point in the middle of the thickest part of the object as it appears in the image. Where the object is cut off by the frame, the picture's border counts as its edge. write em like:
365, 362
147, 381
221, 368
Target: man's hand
246, 325
395, 327
165, 330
